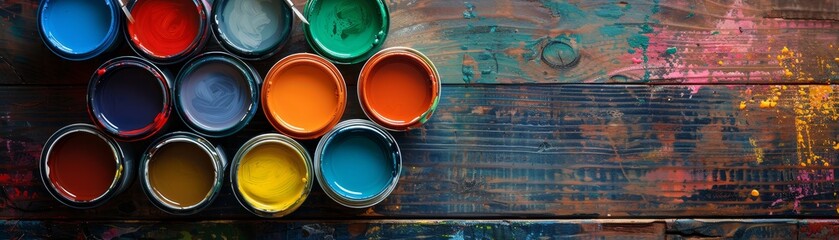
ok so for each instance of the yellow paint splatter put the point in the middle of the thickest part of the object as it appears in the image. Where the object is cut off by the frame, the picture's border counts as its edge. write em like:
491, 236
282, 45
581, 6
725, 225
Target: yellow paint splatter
768, 103
758, 151
813, 109
755, 193
720, 62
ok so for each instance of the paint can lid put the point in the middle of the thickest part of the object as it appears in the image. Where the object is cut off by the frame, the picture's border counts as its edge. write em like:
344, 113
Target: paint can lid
346, 32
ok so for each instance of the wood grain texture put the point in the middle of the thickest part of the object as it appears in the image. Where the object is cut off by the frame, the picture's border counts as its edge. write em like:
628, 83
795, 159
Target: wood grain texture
649, 41
679, 229
513, 151
814, 9
818, 229
390, 229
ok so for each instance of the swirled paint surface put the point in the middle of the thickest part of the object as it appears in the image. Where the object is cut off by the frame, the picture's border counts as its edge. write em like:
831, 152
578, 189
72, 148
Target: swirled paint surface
346, 29
81, 166
215, 96
77, 26
272, 176
164, 27
129, 99
357, 164
252, 25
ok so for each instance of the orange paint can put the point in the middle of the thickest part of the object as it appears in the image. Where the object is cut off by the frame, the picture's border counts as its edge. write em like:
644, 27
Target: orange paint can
399, 88
304, 96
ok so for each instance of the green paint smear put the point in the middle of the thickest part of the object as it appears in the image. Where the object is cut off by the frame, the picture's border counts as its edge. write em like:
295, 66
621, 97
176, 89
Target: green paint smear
638, 41
609, 11
346, 31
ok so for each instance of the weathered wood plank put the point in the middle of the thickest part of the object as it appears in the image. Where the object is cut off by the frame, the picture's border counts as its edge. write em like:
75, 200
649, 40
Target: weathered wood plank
389, 229
532, 151
781, 229
818, 229
650, 41
813, 9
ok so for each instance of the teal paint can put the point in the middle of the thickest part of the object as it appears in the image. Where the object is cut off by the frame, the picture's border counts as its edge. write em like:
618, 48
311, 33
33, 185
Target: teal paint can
358, 163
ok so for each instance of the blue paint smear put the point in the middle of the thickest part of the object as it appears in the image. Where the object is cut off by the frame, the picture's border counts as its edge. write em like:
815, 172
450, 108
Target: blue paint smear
357, 164
129, 98
215, 96
77, 26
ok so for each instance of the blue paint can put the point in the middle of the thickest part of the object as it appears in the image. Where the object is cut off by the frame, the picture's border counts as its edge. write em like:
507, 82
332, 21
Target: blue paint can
252, 29
129, 98
358, 163
217, 94
79, 29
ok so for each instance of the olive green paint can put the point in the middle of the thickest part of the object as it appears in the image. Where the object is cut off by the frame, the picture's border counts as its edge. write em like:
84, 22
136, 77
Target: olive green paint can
346, 31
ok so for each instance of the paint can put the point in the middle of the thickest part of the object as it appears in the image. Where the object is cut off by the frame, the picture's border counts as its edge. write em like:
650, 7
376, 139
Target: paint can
182, 173
167, 31
129, 98
83, 168
358, 163
216, 94
271, 175
399, 88
346, 32
79, 29
252, 29
304, 96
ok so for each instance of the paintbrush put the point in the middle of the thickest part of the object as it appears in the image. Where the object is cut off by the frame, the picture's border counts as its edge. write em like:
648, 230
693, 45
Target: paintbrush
125, 10
299, 15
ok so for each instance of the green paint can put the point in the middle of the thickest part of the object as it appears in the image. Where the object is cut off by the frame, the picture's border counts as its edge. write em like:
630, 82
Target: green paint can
346, 31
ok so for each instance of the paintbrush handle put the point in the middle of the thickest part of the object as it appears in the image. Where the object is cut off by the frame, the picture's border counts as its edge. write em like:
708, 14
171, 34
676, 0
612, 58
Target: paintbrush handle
296, 12
124, 8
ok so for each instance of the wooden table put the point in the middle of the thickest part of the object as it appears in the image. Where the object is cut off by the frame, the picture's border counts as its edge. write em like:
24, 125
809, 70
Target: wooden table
559, 119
